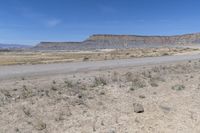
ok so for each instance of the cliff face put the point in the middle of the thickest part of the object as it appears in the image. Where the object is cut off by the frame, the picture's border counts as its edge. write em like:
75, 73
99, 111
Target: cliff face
121, 41
188, 38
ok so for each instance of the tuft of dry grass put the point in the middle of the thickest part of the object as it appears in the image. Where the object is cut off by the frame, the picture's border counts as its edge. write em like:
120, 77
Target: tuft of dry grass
99, 81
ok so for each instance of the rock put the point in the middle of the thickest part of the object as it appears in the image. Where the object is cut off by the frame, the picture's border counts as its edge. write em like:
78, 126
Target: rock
165, 108
138, 108
39, 125
112, 131
142, 96
104, 41
27, 111
16, 129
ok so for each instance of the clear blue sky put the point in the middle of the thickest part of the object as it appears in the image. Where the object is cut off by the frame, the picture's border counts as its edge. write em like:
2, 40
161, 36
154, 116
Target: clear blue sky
32, 21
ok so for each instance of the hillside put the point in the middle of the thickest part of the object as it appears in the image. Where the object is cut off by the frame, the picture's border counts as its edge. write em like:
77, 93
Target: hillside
121, 41
13, 46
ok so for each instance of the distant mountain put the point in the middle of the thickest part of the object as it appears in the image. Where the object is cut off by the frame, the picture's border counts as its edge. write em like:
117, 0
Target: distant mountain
103, 41
13, 46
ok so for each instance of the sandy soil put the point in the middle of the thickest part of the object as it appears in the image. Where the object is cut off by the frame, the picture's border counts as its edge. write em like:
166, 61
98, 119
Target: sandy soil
46, 57
146, 99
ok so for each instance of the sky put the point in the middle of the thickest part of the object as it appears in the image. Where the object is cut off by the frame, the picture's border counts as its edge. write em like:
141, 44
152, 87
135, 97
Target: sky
32, 21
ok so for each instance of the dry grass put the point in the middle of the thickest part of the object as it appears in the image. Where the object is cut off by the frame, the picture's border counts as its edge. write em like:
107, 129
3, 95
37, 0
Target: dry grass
13, 58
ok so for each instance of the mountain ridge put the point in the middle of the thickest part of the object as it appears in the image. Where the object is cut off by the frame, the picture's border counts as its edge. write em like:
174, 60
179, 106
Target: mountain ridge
111, 41
13, 46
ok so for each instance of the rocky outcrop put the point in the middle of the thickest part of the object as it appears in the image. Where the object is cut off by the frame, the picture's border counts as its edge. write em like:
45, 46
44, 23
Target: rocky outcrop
121, 41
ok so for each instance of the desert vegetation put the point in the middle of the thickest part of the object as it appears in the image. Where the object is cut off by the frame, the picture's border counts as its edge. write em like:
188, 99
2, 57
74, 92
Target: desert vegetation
107, 101
45, 57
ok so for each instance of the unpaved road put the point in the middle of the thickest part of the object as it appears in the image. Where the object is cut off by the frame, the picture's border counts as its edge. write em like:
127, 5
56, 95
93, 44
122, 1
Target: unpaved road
16, 71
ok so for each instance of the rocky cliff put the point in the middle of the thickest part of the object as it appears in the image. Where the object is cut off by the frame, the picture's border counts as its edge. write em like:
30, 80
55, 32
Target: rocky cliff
121, 41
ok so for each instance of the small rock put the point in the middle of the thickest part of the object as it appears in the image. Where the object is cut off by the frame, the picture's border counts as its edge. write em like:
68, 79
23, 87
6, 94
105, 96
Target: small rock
112, 131
16, 129
54, 88
40, 125
102, 93
155, 93
165, 108
27, 111
142, 96
136, 120
138, 108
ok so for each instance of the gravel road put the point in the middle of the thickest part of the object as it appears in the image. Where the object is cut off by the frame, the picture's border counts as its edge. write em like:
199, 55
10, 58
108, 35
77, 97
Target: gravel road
17, 71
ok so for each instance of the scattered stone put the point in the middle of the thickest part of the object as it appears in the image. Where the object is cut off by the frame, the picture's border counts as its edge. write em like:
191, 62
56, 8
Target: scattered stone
138, 108
142, 96
27, 111
102, 93
153, 84
40, 125
165, 108
15, 89
53, 88
54, 82
6, 93
112, 131
16, 129
80, 96
136, 120
60, 117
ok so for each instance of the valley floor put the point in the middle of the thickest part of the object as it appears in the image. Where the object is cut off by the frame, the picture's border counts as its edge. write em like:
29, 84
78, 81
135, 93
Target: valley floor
140, 99
48, 57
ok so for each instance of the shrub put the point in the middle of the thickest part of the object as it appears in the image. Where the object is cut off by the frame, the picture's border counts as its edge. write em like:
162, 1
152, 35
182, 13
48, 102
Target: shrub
86, 59
99, 81
69, 83
129, 76
137, 83
154, 84
178, 87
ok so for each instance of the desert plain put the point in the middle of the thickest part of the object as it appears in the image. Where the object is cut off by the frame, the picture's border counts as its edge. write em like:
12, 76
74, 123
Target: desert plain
121, 94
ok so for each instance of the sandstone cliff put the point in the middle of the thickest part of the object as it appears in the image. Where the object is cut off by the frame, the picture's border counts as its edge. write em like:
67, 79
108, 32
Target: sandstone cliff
121, 41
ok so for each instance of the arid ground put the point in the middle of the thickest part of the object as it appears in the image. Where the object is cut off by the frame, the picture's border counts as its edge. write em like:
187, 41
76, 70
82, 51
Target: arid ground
46, 57
144, 98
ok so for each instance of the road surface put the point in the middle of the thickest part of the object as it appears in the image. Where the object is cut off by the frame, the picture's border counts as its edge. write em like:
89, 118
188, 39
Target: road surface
16, 71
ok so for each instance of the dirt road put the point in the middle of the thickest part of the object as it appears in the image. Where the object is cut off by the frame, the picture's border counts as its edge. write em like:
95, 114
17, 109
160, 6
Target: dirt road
62, 68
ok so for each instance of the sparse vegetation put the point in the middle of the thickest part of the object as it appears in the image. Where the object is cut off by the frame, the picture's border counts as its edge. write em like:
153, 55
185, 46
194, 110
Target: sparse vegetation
69, 83
137, 83
85, 100
86, 59
154, 84
178, 87
13, 58
99, 81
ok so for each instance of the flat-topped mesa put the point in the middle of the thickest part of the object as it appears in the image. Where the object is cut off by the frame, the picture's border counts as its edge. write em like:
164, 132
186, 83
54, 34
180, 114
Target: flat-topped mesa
57, 45
107, 41
187, 38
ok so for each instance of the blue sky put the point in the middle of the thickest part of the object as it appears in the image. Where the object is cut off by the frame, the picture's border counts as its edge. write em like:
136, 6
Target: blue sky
32, 21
